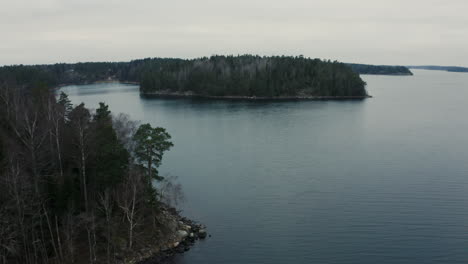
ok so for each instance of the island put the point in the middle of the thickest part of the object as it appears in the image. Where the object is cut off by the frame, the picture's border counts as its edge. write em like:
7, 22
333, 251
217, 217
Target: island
232, 77
380, 69
252, 77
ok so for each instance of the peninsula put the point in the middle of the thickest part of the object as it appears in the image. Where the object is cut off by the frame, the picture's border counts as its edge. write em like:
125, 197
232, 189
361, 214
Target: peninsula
82, 185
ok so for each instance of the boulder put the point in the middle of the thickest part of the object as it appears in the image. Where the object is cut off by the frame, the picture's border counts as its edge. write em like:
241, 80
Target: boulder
202, 233
182, 234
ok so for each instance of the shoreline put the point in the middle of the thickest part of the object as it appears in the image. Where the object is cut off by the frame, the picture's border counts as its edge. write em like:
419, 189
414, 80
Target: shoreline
168, 95
389, 74
58, 86
183, 234
178, 95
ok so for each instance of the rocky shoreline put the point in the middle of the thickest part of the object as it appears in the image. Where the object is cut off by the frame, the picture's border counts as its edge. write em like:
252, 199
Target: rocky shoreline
183, 235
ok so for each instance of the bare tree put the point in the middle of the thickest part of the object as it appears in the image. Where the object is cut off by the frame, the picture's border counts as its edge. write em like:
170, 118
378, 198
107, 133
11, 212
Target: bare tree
106, 206
80, 125
129, 201
125, 128
69, 229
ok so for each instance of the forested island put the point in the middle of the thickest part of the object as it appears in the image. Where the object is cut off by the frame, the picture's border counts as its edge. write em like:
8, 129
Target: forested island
441, 68
245, 76
81, 186
380, 69
253, 77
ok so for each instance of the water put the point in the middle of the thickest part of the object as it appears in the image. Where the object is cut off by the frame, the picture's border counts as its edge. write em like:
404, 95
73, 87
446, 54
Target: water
384, 180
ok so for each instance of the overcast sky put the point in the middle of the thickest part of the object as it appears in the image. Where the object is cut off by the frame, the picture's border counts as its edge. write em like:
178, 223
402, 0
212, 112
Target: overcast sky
403, 32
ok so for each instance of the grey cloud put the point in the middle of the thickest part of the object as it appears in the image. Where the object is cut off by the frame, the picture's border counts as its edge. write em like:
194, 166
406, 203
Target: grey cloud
367, 31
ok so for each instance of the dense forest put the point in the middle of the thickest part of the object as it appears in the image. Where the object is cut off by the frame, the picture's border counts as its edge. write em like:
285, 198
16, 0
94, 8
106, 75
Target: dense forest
77, 186
380, 69
245, 75
253, 76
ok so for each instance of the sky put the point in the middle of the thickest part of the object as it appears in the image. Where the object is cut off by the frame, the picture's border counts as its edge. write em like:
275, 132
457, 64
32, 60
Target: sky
391, 32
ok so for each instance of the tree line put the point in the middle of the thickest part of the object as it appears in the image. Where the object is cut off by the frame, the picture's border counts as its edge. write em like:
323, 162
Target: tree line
76, 186
253, 76
245, 75
380, 69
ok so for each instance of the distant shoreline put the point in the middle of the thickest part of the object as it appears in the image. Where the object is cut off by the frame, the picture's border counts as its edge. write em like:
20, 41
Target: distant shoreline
171, 95
440, 68
388, 74
176, 95
96, 82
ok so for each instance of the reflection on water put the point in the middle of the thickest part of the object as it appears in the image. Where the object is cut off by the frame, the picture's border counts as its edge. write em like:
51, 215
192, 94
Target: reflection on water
101, 88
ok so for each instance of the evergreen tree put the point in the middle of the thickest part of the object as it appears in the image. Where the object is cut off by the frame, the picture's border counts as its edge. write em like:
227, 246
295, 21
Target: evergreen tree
151, 143
65, 105
111, 158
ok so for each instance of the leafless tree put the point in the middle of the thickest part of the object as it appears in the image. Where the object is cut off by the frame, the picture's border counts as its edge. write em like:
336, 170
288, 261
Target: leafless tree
129, 202
125, 128
106, 206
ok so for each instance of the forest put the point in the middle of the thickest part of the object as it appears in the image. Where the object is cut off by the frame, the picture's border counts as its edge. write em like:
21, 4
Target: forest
253, 76
380, 69
245, 75
77, 185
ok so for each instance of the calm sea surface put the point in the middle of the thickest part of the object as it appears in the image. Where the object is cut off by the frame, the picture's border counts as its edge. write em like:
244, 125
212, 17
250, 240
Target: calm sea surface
383, 180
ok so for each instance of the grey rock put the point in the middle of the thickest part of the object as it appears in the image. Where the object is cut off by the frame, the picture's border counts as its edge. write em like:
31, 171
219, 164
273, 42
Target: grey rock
202, 233
182, 234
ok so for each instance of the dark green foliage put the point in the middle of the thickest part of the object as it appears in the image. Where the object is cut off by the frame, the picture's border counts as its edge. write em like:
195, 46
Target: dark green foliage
245, 75
251, 76
64, 104
380, 69
111, 158
151, 143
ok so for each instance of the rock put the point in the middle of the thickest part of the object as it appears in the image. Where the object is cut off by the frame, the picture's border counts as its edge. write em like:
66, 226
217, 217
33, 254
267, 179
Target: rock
176, 244
191, 238
202, 233
172, 224
182, 234
185, 227
180, 249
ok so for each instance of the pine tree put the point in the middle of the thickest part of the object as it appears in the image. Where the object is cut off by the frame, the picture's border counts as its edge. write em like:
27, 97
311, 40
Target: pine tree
151, 143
